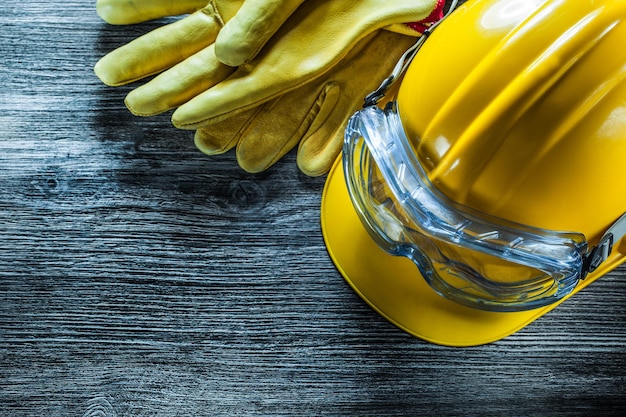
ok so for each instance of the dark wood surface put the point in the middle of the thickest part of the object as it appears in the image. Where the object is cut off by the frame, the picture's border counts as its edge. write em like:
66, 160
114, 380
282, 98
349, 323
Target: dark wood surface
141, 278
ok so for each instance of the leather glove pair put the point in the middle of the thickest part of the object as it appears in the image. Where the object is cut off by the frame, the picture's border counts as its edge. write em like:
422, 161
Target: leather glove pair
297, 88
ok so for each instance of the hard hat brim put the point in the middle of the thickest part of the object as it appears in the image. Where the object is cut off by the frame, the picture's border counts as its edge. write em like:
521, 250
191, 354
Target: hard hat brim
393, 286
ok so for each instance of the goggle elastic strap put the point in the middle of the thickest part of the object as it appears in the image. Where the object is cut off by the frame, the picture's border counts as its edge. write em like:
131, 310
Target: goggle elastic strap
375, 96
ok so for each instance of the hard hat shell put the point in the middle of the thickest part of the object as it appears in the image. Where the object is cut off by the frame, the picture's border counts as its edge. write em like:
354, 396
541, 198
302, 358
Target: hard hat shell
518, 108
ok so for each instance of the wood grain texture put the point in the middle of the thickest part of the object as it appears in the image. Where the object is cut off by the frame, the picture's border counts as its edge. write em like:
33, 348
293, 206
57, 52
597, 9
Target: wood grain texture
141, 278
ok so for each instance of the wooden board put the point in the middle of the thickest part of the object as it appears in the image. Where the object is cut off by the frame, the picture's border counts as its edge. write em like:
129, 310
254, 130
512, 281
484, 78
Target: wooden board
139, 277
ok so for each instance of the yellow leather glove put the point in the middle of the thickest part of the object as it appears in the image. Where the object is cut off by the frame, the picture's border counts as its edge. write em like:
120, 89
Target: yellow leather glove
313, 40
312, 117
310, 47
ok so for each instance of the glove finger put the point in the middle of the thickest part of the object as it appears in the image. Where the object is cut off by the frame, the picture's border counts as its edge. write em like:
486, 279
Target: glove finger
281, 123
125, 12
160, 48
197, 107
318, 129
222, 137
178, 84
356, 77
246, 33
315, 160
302, 50
322, 142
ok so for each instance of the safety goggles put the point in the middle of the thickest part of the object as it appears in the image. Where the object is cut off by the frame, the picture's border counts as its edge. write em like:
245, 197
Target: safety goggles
464, 255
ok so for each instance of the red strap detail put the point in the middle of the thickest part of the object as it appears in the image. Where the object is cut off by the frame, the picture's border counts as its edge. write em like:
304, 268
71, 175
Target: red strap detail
433, 17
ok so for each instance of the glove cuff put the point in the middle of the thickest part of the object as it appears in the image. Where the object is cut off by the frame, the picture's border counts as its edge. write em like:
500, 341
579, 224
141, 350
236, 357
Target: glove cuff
434, 16
417, 28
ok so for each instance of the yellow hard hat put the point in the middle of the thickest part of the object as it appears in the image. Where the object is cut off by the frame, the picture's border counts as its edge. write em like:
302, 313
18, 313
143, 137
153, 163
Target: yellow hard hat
493, 187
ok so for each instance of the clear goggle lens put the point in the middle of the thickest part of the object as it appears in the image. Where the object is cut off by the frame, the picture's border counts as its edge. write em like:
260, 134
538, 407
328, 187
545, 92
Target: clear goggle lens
464, 255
